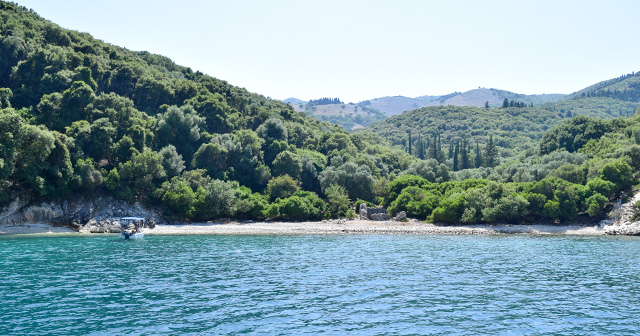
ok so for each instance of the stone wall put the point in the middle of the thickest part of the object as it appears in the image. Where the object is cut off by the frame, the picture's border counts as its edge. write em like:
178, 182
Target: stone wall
376, 214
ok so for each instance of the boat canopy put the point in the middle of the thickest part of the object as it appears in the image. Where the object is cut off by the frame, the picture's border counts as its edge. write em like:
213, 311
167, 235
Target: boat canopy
126, 221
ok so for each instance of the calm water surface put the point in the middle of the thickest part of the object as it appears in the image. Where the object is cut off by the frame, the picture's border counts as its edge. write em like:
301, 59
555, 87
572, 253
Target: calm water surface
329, 285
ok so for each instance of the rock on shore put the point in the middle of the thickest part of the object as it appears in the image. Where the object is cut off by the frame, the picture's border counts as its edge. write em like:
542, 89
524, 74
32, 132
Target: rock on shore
622, 224
86, 214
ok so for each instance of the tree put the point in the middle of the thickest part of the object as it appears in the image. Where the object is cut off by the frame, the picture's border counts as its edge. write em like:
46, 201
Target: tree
490, 153
74, 102
464, 156
478, 157
618, 172
281, 187
505, 103
456, 155
213, 157
217, 200
35, 145
172, 162
179, 126
338, 204
416, 201
287, 163
356, 179
86, 177
430, 170
136, 178
273, 129
5, 98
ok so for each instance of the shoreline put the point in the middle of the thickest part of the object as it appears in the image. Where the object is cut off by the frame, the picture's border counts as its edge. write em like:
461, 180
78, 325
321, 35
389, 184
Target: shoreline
332, 227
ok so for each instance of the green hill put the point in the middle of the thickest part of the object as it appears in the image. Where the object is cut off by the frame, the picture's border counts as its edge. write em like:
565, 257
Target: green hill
81, 116
78, 115
356, 116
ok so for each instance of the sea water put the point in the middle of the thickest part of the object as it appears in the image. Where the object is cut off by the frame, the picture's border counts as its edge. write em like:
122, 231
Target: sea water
320, 285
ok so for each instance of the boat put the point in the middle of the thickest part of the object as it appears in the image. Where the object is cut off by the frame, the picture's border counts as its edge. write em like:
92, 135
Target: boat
132, 227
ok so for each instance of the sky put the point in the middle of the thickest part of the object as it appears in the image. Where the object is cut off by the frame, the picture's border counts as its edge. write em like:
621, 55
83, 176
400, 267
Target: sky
357, 50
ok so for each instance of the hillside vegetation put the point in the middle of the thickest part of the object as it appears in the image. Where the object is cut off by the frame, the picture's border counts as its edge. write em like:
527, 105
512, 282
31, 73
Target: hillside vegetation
355, 116
81, 116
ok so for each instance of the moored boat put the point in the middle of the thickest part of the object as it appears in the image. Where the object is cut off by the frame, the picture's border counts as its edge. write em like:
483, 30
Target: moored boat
132, 227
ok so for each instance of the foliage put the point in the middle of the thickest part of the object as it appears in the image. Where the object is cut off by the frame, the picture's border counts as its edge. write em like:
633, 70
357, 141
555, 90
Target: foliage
78, 115
302, 205
338, 204
282, 187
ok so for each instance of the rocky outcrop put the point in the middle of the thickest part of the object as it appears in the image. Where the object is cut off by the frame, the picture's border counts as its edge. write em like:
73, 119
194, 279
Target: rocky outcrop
376, 214
621, 223
400, 216
87, 214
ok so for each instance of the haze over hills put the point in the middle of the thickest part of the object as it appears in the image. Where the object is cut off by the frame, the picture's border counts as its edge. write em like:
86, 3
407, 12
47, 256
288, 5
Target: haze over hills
614, 97
514, 128
376, 109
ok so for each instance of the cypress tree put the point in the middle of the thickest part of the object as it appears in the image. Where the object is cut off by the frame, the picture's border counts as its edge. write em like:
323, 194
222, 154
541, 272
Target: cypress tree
439, 153
451, 150
478, 158
420, 147
490, 153
456, 153
433, 150
505, 103
409, 131
464, 155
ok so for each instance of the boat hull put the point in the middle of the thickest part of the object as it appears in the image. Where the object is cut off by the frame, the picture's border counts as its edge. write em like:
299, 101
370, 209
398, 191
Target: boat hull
138, 235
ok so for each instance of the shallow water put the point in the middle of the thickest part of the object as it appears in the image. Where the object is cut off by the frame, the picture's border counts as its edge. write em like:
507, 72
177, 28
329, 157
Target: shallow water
330, 285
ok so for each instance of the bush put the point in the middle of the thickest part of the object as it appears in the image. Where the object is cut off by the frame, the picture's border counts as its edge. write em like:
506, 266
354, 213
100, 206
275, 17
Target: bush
396, 186
450, 209
177, 199
281, 187
595, 204
416, 202
618, 172
300, 206
337, 202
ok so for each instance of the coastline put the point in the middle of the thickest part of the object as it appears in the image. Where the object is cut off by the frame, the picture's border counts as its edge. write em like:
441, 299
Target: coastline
33, 229
367, 227
332, 227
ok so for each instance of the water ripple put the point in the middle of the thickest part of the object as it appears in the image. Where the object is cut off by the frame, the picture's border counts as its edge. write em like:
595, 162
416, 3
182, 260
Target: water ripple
310, 285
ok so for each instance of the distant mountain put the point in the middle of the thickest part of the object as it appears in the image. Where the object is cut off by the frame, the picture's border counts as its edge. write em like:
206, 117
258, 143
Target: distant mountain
477, 97
294, 101
349, 117
607, 99
393, 105
514, 129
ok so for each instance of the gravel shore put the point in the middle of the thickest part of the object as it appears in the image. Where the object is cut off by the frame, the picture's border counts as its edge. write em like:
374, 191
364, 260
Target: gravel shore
33, 229
366, 227
330, 227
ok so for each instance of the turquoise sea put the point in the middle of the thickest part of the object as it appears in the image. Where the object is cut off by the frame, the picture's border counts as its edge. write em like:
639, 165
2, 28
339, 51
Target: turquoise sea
320, 285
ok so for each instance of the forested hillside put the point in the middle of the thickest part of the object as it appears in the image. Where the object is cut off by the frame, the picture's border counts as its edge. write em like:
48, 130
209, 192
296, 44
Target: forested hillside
83, 116
514, 129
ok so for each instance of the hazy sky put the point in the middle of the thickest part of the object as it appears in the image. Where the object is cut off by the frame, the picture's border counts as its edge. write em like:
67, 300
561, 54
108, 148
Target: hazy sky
357, 50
